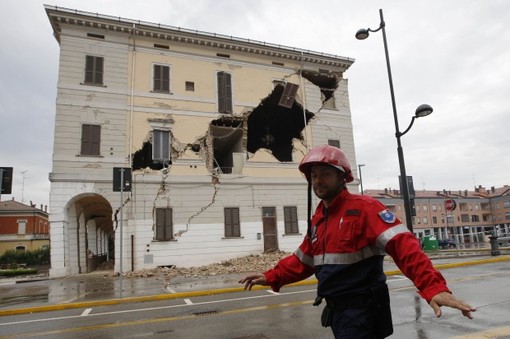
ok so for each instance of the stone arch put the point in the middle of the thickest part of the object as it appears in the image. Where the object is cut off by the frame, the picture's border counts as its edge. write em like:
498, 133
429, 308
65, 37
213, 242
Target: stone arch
82, 239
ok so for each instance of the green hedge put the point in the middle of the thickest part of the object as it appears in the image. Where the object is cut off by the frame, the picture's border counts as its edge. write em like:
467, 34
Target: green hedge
17, 271
36, 257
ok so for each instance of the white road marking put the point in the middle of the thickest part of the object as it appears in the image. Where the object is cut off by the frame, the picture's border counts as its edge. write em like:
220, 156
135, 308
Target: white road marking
86, 312
188, 301
169, 289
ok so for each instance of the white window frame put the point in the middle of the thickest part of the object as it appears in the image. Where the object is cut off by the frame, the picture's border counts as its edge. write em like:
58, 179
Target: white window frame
161, 141
22, 226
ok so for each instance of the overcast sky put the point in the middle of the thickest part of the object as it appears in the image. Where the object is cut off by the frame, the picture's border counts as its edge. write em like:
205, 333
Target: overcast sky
453, 55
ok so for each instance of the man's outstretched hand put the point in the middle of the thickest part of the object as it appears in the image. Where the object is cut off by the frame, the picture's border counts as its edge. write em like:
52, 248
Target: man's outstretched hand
253, 279
447, 299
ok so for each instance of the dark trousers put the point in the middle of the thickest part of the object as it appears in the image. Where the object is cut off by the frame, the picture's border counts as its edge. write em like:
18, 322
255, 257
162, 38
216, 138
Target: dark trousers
353, 323
365, 316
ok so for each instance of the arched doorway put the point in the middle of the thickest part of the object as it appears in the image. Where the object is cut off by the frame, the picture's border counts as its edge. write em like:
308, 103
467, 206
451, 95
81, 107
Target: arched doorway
86, 239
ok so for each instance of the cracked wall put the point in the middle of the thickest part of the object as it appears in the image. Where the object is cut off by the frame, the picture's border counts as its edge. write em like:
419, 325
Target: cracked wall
271, 125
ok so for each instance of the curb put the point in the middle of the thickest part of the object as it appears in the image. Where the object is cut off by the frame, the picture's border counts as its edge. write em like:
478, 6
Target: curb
159, 297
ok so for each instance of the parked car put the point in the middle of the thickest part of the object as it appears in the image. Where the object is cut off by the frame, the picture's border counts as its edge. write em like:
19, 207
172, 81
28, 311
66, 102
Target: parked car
447, 243
504, 241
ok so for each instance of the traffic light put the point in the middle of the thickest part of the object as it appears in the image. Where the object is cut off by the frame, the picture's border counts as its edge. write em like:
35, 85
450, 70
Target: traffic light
126, 178
6, 175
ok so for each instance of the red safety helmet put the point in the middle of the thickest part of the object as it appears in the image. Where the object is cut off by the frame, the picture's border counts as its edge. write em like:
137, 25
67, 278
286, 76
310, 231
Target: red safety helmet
329, 155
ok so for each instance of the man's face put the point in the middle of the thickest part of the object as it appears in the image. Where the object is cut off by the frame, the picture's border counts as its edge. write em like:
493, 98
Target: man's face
327, 182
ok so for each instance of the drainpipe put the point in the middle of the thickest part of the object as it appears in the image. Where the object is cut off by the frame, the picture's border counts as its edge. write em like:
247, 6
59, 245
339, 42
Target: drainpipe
131, 109
308, 145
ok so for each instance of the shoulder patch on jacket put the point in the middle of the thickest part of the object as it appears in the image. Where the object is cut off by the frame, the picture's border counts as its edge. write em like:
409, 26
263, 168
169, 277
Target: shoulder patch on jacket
352, 212
387, 216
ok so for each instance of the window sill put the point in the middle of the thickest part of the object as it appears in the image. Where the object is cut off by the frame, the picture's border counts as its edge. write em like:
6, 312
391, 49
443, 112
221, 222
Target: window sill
227, 238
168, 240
89, 156
162, 92
292, 235
92, 84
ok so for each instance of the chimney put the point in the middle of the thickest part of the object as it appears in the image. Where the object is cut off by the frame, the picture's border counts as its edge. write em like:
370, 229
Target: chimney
493, 189
465, 193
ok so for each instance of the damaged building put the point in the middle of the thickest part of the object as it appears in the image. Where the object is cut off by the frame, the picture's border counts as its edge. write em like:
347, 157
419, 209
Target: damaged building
210, 129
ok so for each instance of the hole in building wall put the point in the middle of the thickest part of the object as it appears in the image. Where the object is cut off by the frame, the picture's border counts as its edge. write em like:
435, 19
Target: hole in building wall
143, 159
326, 81
227, 138
273, 127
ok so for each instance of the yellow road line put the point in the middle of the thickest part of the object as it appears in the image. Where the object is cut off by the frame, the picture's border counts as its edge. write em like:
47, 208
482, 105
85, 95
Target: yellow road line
501, 332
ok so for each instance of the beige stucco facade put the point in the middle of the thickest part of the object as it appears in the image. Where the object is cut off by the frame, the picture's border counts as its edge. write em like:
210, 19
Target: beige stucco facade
221, 157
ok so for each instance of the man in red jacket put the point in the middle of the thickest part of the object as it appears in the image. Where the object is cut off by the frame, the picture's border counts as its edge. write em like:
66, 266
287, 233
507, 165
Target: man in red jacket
345, 245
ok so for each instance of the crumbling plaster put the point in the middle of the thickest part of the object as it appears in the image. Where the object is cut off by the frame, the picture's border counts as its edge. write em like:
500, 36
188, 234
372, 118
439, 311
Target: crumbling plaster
270, 132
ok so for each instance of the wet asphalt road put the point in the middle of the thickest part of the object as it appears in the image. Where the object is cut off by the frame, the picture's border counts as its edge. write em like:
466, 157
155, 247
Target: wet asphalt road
261, 314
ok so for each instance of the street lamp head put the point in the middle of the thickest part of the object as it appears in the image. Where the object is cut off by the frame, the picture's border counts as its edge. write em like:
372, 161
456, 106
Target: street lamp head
362, 34
423, 110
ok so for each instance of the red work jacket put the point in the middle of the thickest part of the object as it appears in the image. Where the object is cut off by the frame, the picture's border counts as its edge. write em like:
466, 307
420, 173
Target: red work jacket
345, 247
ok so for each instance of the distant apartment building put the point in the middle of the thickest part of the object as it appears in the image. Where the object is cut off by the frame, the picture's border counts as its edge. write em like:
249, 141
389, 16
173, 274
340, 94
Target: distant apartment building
23, 227
208, 129
477, 214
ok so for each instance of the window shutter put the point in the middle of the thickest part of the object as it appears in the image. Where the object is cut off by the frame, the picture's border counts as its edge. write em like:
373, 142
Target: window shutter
294, 220
165, 81
89, 69
290, 219
224, 92
168, 224
235, 223
286, 218
164, 224
95, 139
289, 94
157, 78
232, 225
228, 93
90, 139
99, 71
161, 78
228, 222
160, 224
94, 69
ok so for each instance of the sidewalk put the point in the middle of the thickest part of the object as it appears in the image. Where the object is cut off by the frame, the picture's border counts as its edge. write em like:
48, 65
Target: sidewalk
102, 288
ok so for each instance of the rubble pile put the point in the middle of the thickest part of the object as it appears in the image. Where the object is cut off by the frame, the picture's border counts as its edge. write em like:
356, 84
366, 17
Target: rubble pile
252, 263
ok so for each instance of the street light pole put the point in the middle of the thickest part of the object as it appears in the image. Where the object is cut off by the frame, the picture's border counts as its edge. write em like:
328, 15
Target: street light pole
360, 178
421, 111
